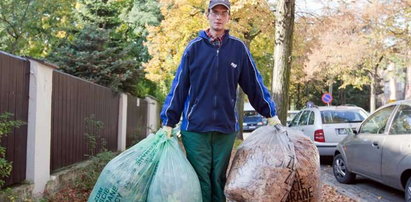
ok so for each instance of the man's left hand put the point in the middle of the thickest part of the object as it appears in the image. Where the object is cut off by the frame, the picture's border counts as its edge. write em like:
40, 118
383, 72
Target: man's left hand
272, 121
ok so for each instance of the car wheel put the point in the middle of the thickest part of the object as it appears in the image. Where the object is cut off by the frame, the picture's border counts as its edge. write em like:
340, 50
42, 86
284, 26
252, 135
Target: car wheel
341, 173
408, 190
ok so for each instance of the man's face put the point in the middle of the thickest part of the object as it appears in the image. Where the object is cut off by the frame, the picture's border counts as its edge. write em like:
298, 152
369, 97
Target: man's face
218, 17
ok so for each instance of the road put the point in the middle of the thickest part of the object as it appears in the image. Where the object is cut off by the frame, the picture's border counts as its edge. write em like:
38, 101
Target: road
362, 190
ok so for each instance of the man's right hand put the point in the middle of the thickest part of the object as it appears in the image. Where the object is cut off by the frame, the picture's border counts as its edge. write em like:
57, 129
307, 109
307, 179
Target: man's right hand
168, 131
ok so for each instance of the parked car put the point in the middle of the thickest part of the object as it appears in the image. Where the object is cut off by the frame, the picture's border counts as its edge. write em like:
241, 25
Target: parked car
328, 125
291, 114
252, 119
253, 122
380, 150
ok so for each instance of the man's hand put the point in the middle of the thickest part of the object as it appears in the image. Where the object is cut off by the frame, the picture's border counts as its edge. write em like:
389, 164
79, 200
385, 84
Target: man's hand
168, 130
272, 121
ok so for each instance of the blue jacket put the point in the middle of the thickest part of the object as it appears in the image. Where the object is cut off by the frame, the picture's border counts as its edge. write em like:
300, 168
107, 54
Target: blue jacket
205, 86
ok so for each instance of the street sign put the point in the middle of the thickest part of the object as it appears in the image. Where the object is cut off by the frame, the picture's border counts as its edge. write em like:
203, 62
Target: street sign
327, 98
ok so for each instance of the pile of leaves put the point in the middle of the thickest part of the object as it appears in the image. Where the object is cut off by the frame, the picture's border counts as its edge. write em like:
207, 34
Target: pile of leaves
72, 194
80, 188
330, 194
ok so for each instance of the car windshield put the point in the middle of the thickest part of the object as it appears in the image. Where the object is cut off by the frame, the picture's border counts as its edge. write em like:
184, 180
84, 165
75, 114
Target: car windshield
342, 116
291, 115
252, 118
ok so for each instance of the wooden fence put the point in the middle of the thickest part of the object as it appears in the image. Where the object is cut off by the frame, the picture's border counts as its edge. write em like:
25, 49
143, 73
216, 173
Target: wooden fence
136, 120
14, 96
73, 100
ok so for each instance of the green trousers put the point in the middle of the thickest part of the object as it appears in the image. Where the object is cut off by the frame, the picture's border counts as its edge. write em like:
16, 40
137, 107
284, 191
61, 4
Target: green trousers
209, 153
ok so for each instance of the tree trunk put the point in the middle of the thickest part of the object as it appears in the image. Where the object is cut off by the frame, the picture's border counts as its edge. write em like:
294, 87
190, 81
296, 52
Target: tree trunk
240, 103
284, 27
298, 96
330, 89
372, 96
374, 79
407, 94
393, 90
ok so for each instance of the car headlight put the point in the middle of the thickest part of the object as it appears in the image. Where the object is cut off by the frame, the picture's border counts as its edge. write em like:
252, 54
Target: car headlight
244, 124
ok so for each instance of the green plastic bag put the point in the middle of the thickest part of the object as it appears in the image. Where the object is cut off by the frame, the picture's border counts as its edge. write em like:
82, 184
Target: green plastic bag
128, 177
175, 179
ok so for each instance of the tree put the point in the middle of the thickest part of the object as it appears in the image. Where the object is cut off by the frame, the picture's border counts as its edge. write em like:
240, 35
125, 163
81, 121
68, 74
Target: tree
284, 26
304, 39
32, 28
137, 15
93, 56
166, 43
108, 47
355, 45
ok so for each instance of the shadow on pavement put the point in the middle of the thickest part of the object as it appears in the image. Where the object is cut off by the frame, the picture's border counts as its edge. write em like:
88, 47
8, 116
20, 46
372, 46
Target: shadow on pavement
326, 160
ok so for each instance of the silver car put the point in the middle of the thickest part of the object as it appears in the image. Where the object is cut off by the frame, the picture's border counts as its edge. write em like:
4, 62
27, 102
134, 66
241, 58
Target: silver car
328, 125
380, 150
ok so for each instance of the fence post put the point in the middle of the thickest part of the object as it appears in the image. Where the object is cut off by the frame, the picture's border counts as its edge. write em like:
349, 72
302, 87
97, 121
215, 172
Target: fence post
122, 123
152, 115
39, 126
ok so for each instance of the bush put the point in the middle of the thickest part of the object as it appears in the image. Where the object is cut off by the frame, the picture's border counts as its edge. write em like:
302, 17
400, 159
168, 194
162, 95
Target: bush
89, 174
93, 129
6, 126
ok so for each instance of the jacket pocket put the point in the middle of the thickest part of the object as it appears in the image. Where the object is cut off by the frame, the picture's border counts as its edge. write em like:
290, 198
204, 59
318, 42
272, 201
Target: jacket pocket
192, 109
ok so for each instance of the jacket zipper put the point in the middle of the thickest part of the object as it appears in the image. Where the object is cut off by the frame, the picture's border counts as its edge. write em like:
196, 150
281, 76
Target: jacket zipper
216, 86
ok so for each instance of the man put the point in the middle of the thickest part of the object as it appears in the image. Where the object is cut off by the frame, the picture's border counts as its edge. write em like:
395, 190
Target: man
204, 90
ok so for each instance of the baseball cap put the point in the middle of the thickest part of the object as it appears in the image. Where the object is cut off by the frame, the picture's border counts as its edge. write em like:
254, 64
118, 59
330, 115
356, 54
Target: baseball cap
214, 3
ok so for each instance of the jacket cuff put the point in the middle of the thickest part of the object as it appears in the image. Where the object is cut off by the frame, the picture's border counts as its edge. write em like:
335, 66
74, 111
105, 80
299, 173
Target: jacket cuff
170, 125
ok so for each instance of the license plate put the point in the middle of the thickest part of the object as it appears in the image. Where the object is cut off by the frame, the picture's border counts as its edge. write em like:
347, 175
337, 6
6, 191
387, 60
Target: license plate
252, 127
343, 131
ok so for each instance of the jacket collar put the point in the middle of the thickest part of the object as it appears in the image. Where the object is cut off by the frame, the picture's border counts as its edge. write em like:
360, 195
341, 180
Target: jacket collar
203, 34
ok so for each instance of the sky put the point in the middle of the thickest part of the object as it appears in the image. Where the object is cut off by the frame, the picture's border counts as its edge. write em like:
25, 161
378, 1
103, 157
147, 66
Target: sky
306, 6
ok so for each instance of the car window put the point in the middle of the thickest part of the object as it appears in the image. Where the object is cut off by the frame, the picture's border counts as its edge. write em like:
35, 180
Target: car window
402, 121
251, 113
377, 122
304, 118
294, 122
311, 119
255, 118
291, 115
342, 116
